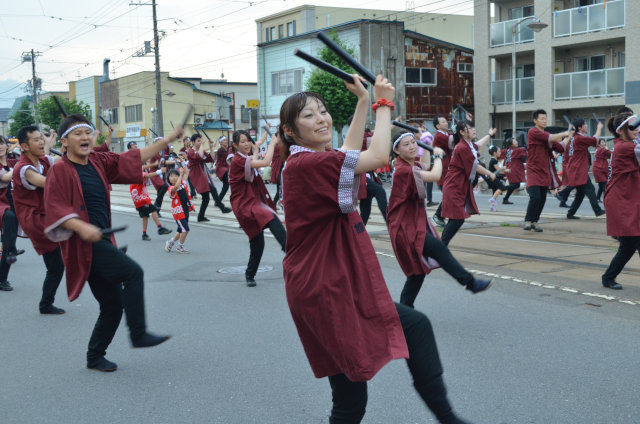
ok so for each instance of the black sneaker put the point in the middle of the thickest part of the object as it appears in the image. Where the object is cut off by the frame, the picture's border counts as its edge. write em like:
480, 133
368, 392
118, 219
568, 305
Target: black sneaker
433, 203
102, 364
51, 310
564, 205
163, 230
149, 340
572, 217
145, 237
224, 209
11, 258
479, 285
506, 202
251, 282
601, 212
19, 252
612, 285
439, 222
203, 219
5, 286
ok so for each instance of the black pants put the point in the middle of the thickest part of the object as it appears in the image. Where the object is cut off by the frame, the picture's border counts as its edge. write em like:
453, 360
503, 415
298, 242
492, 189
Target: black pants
589, 190
510, 188
373, 190
439, 210
537, 199
430, 192
161, 192
9, 235
564, 193
628, 246
278, 186
117, 283
205, 200
350, 398
602, 185
192, 189
55, 271
450, 230
256, 245
434, 248
225, 185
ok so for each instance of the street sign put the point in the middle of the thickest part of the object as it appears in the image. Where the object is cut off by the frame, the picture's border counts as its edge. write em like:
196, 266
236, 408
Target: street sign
253, 104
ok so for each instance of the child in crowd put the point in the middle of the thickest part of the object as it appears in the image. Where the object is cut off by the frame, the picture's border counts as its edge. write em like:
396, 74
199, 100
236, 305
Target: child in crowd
142, 202
180, 207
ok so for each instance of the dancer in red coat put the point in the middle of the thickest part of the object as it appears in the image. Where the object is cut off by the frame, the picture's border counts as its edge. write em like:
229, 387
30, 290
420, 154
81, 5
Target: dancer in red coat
250, 199
458, 202
346, 320
444, 140
513, 162
415, 241
222, 167
621, 199
601, 167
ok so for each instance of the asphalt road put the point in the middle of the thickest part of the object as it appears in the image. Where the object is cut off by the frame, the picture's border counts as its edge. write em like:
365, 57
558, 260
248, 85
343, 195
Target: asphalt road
515, 354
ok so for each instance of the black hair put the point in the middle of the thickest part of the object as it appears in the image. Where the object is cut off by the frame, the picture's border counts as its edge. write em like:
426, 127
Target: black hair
3, 140
436, 120
172, 172
235, 138
195, 137
289, 112
71, 120
615, 121
577, 123
23, 133
538, 112
624, 109
493, 149
461, 126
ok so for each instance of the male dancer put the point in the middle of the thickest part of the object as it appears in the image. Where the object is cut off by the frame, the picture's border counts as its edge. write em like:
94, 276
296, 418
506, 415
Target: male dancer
539, 174
222, 167
30, 174
443, 140
78, 211
201, 177
579, 170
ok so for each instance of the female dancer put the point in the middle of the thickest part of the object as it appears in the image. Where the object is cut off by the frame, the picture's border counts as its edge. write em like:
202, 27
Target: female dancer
222, 167
457, 194
346, 320
496, 185
8, 219
250, 199
601, 167
276, 168
415, 241
513, 161
620, 199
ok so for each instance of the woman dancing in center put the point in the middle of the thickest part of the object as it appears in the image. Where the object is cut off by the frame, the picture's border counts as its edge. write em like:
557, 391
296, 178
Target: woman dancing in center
347, 323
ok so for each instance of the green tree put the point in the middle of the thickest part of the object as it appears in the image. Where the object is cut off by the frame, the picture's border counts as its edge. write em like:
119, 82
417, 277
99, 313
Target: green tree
22, 117
340, 101
50, 114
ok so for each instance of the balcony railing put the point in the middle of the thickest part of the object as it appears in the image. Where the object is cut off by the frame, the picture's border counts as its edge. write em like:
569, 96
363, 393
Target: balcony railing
501, 91
588, 18
502, 33
580, 85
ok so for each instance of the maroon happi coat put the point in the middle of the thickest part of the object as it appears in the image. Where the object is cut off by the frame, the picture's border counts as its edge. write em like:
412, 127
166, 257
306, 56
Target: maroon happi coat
276, 164
198, 172
601, 165
336, 292
513, 161
28, 201
538, 163
621, 199
63, 200
407, 219
4, 190
156, 180
579, 152
458, 201
221, 162
444, 141
250, 199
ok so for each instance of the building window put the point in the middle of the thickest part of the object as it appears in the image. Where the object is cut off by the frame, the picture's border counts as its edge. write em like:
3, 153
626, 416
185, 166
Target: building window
266, 34
280, 31
465, 68
578, 3
422, 76
291, 29
133, 113
524, 71
621, 59
588, 63
521, 12
245, 114
273, 33
286, 82
111, 115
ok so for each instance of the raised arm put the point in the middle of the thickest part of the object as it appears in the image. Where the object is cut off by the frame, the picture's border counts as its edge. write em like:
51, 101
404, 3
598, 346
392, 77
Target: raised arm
353, 140
436, 171
266, 161
147, 152
486, 138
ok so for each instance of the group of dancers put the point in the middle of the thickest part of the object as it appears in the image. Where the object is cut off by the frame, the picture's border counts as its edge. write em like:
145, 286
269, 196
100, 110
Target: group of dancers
344, 314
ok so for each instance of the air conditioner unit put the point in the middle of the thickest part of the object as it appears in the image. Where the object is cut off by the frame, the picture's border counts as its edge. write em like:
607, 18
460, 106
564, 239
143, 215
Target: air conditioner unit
198, 120
211, 116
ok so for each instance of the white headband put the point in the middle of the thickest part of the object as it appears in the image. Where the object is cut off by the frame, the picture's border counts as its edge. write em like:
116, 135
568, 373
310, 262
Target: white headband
395, 143
625, 122
157, 138
74, 127
223, 138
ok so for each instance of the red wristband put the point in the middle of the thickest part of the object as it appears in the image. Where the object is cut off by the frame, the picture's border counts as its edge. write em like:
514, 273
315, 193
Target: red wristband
383, 102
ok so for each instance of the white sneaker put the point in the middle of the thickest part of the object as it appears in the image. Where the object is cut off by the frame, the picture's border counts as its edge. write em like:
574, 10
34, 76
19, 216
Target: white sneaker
181, 249
492, 205
169, 245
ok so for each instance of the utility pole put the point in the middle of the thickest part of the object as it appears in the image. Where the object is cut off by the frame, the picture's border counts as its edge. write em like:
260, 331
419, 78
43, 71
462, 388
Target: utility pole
31, 57
156, 40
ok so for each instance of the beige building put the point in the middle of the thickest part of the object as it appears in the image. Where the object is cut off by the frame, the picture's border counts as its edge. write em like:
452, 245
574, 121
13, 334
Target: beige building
576, 66
455, 29
129, 104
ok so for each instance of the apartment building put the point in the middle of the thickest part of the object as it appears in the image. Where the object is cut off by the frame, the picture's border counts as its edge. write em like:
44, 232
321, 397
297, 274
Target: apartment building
576, 66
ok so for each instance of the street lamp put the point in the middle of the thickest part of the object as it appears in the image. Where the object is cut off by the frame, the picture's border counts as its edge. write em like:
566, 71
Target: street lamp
536, 26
